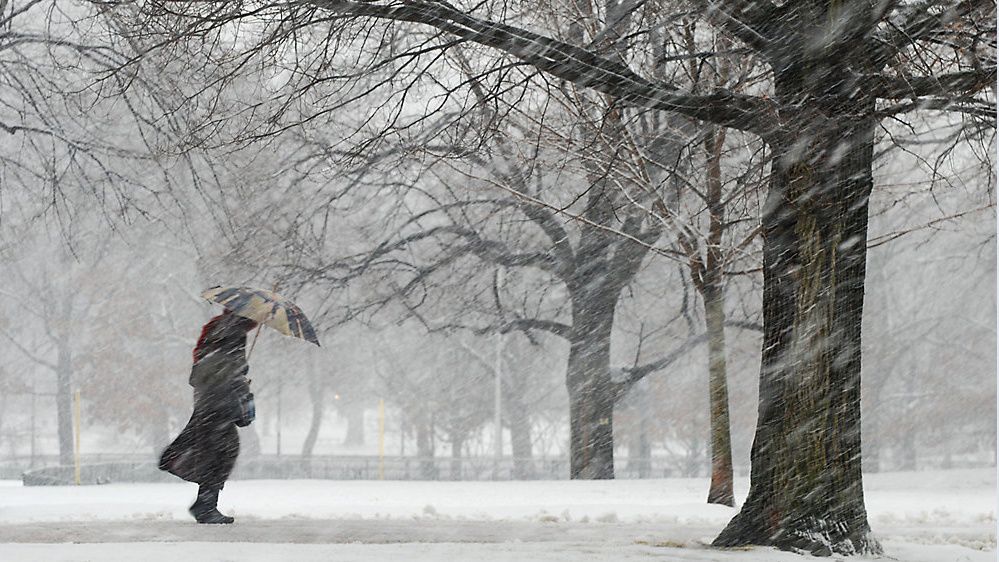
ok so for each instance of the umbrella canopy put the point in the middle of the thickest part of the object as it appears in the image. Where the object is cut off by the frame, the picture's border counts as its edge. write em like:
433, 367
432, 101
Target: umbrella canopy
264, 307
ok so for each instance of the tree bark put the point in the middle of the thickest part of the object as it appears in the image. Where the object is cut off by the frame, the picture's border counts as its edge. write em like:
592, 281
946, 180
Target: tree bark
713, 292
721, 491
520, 440
591, 394
806, 488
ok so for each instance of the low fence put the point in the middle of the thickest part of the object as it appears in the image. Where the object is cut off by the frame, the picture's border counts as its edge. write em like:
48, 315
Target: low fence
99, 473
105, 469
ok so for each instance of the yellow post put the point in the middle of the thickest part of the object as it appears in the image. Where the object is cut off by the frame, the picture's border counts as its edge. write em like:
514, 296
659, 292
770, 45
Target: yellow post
76, 444
381, 439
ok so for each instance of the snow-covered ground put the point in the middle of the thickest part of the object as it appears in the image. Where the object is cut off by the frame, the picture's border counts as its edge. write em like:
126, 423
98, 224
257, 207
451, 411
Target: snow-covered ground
946, 516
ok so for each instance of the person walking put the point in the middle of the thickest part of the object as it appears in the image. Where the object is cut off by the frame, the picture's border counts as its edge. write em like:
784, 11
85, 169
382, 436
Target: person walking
206, 449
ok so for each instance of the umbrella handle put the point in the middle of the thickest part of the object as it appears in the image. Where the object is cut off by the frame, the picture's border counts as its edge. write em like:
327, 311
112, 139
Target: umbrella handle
259, 326
254, 342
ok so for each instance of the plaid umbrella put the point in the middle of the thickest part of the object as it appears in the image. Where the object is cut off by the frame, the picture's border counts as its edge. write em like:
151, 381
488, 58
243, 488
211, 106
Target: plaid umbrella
264, 307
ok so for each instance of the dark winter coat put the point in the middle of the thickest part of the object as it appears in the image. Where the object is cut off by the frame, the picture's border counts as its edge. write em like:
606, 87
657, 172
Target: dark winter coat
206, 450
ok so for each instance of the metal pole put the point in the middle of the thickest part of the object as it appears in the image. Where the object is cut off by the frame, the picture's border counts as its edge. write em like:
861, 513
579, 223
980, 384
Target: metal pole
498, 392
381, 439
76, 445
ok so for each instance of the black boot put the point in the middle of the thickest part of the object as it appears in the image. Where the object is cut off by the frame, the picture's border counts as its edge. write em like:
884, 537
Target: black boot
205, 507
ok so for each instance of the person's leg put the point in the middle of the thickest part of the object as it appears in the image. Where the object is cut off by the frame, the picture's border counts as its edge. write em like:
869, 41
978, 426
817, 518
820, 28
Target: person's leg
205, 507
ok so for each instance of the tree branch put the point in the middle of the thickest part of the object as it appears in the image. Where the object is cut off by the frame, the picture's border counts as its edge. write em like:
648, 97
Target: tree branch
626, 377
919, 22
28, 353
491, 251
907, 87
571, 63
544, 218
524, 324
746, 20
628, 255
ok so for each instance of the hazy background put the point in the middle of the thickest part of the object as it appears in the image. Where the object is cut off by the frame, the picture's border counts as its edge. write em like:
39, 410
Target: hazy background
121, 308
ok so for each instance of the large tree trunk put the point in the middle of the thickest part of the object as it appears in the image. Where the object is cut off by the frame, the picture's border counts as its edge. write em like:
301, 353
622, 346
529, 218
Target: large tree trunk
713, 292
639, 448
591, 392
520, 440
318, 398
354, 412
317, 395
720, 491
806, 487
425, 451
457, 442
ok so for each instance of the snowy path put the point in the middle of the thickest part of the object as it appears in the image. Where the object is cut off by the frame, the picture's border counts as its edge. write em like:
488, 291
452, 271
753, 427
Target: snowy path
368, 541
421, 552
921, 517
345, 531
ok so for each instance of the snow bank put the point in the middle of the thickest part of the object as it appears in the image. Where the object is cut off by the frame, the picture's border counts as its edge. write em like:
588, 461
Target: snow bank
939, 516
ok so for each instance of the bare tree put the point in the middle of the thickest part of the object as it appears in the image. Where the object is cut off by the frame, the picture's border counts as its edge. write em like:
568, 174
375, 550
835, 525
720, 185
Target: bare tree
717, 238
429, 381
76, 126
924, 328
134, 375
59, 318
592, 265
836, 71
